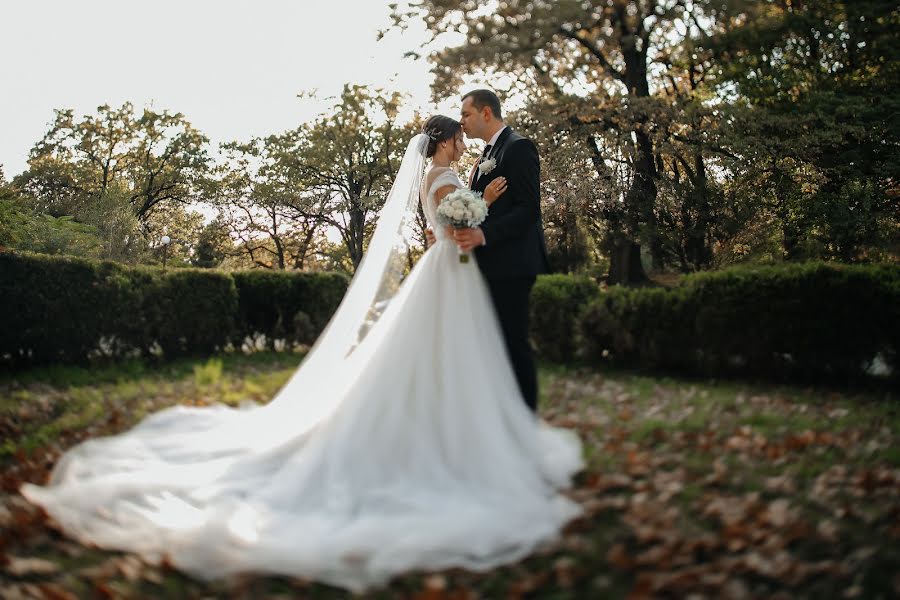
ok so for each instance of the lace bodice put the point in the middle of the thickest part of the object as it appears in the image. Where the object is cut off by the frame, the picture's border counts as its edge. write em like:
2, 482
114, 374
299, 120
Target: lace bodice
446, 176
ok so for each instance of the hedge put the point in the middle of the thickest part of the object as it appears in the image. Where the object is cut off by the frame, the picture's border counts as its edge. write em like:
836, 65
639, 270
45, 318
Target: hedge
294, 307
556, 303
808, 320
69, 310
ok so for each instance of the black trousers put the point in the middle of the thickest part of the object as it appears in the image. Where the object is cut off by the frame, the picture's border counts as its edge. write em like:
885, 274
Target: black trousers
510, 298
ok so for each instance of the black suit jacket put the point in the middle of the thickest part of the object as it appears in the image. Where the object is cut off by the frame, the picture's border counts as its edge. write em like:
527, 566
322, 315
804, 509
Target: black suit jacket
513, 230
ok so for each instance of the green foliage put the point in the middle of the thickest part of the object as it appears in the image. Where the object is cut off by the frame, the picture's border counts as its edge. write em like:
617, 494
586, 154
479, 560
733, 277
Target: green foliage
71, 310
208, 373
108, 185
157, 156
186, 311
556, 302
696, 134
808, 320
644, 323
182, 226
58, 309
294, 307
22, 228
345, 161
117, 227
814, 125
213, 245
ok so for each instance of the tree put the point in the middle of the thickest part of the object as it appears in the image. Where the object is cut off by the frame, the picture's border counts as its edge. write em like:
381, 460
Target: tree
214, 244
22, 228
603, 63
181, 225
345, 162
169, 159
118, 228
814, 120
571, 194
156, 156
265, 207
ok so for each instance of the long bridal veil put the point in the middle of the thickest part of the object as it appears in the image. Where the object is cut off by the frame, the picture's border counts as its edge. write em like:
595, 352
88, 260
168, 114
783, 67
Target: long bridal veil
376, 280
315, 389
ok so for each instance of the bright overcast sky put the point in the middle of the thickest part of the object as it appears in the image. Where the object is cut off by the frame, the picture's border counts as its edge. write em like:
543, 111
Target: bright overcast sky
234, 68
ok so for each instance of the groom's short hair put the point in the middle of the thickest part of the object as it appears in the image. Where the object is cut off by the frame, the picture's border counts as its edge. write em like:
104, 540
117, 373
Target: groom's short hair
482, 98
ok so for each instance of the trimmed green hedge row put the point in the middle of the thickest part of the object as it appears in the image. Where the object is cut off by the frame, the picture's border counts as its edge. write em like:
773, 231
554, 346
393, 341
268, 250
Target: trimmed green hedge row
807, 320
293, 307
60, 309
556, 305
812, 320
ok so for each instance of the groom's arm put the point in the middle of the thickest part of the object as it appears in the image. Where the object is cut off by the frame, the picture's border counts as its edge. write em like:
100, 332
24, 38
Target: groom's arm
524, 180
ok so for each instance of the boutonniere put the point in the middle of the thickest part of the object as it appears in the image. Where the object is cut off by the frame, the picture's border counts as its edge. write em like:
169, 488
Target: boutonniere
487, 166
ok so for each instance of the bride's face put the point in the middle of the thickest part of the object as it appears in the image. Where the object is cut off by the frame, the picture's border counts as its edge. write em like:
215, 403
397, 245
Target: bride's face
459, 147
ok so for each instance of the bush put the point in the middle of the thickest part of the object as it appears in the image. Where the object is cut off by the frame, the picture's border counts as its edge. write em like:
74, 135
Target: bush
186, 311
556, 302
808, 320
59, 310
71, 310
294, 307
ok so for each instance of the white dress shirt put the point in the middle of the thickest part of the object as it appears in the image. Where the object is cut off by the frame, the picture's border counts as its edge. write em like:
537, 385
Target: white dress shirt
493, 142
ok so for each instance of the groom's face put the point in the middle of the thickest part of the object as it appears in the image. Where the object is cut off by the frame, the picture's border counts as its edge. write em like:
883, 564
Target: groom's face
472, 120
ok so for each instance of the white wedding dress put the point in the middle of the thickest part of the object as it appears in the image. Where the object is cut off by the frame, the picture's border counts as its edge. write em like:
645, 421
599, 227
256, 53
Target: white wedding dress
416, 453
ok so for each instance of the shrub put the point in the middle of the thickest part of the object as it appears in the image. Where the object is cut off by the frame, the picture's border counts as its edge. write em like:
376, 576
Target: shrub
807, 320
186, 311
291, 306
556, 302
59, 309
70, 310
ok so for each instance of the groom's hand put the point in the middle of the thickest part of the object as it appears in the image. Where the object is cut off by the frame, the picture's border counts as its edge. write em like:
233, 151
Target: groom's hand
429, 238
467, 239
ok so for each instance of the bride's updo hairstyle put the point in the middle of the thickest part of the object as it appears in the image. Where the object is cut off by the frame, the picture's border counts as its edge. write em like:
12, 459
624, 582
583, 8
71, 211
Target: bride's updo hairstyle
439, 128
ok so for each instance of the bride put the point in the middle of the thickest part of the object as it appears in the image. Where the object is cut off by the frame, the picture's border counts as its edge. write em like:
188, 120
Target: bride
400, 443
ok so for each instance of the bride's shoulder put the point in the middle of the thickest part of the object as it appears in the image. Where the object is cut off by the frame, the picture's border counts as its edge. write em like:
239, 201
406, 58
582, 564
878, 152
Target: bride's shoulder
444, 174
435, 172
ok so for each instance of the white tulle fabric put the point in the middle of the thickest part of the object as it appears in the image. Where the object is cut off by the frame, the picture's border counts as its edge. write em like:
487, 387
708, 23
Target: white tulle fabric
407, 449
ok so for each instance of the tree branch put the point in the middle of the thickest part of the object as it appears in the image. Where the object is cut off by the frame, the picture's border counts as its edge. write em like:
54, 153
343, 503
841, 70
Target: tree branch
595, 52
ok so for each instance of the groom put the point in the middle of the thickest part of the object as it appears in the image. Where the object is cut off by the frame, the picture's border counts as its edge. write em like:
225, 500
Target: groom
509, 244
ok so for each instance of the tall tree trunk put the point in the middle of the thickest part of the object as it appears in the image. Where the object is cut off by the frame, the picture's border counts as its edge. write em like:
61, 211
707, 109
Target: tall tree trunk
356, 229
279, 246
303, 250
625, 265
699, 250
625, 260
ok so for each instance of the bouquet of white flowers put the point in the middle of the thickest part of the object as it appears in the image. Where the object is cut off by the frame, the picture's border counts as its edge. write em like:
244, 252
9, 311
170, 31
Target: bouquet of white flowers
461, 209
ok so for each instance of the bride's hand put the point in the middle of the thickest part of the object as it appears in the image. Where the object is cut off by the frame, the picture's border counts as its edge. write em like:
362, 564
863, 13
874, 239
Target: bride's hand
494, 190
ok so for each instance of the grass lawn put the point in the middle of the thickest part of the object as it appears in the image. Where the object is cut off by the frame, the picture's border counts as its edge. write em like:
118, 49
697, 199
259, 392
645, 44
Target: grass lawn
693, 488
